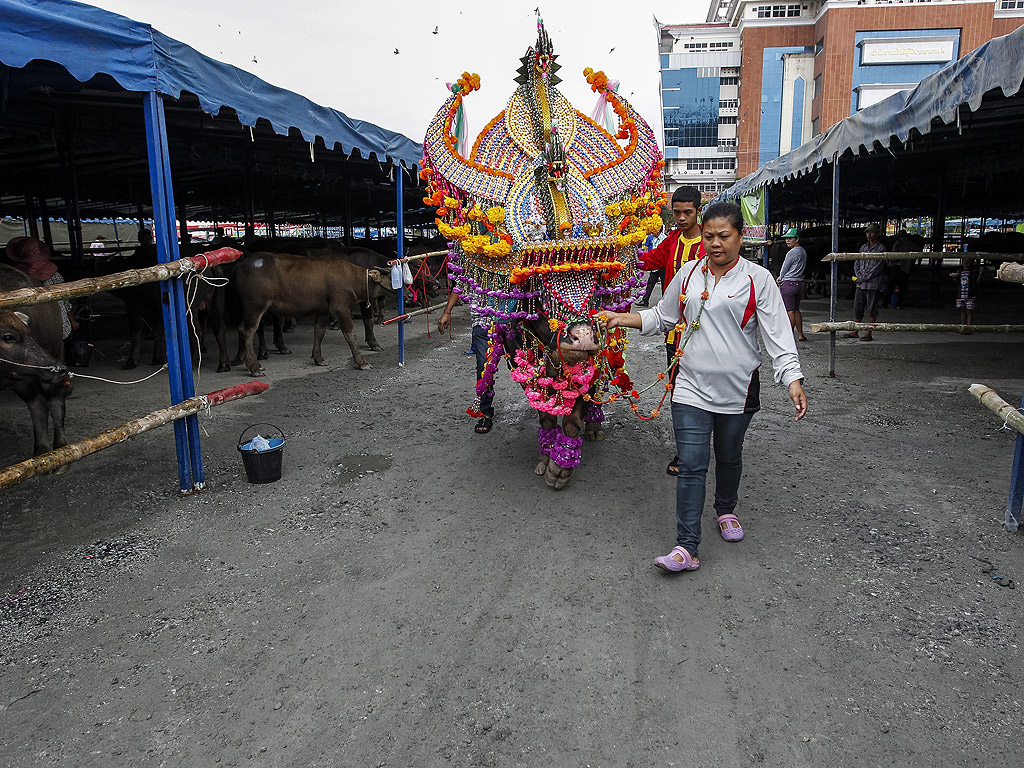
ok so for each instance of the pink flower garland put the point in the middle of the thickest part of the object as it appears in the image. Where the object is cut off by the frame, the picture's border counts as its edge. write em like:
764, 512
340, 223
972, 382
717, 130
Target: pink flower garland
556, 396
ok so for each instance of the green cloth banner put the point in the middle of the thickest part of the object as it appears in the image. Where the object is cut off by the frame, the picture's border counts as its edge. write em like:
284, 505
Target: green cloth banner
753, 215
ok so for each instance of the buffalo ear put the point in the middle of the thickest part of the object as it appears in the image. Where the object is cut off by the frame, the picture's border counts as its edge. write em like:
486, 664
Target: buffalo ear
24, 318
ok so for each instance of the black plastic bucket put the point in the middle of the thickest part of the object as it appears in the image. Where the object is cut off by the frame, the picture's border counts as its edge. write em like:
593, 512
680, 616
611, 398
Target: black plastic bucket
262, 466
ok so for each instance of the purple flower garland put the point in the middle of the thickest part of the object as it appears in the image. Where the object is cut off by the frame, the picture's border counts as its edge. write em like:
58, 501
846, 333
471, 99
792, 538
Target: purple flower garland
546, 439
566, 450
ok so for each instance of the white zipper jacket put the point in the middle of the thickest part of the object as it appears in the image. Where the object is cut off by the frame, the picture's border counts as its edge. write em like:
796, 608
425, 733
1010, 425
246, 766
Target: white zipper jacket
718, 371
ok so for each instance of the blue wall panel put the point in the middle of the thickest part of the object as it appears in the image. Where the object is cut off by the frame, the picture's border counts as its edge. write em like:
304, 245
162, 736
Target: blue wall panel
771, 101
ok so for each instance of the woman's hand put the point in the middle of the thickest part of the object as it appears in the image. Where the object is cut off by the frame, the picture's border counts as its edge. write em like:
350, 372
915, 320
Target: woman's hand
796, 394
622, 320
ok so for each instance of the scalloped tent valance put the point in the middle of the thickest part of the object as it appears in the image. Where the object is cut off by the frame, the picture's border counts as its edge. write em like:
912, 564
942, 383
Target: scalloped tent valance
997, 65
88, 41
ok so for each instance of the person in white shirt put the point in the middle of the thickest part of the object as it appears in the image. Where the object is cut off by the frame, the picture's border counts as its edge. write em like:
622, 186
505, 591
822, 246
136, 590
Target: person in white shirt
718, 302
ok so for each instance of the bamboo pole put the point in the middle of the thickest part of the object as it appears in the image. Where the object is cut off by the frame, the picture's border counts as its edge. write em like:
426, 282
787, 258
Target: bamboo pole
1011, 273
23, 297
850, 325
419, 256
912, 255
415, 312
59, 457
991, 400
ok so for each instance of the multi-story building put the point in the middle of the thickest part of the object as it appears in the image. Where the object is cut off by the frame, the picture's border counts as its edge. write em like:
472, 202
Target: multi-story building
700, 70
802, 67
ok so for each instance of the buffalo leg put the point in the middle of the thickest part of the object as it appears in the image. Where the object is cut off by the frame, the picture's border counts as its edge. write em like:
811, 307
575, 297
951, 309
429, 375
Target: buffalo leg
366, 311
39, 411
546, 438
280, 329
319, 329
246, 331
344, 318
134, 345
557, 476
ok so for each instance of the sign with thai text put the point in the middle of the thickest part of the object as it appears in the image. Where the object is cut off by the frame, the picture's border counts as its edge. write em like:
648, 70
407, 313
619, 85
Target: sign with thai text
907, 50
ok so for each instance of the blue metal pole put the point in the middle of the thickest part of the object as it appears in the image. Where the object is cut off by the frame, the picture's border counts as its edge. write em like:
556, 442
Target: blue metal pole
400, 220
1016, 500
175, 292
835, 268
190, 469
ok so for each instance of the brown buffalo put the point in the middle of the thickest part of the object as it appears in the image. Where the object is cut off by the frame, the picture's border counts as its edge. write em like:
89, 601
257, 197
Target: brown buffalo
31, 362
324, 285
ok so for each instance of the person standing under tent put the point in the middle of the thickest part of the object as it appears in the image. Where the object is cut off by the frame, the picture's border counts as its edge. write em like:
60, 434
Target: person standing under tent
32, 257
718, 302
683, 244
967, 289
870, 274
791, 280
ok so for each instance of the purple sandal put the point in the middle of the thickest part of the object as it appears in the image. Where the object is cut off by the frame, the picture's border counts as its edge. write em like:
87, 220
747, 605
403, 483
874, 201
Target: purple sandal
730, 527
669, 563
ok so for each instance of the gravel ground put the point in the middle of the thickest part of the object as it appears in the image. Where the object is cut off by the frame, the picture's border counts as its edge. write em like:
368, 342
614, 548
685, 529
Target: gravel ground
411, 594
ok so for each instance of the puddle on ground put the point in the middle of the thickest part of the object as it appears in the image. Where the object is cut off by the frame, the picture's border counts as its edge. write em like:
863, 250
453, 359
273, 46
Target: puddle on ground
354, 467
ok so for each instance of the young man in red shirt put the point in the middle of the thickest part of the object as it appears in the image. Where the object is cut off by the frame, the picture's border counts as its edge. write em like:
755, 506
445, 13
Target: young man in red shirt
682, 244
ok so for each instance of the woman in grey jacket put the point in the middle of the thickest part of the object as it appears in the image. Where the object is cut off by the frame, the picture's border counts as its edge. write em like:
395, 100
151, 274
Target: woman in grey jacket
718, 303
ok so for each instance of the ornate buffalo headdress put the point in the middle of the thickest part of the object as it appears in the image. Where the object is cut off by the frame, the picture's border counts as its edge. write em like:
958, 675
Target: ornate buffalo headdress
545, 211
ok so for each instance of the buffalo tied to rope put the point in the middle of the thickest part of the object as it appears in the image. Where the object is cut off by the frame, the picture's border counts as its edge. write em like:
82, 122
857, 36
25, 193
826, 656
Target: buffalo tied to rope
578, 342
32, 361
324, 284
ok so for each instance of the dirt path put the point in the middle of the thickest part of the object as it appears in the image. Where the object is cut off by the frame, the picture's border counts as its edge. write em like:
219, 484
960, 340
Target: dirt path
410, 594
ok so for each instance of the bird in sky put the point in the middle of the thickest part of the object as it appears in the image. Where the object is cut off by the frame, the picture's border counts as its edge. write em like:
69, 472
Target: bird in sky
611, 51
435, 30
254, 60
396, 51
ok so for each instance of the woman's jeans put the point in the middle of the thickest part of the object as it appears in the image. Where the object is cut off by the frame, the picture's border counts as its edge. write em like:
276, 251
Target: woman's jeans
695, 429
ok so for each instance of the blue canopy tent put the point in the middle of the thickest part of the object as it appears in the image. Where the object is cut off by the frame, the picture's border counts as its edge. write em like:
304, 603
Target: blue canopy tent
87, 76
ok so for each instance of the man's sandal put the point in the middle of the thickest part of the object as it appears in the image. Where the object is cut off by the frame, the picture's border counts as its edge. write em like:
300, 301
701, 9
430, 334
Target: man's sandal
673, 467
851, 335
730, 528
484, 425
669, 563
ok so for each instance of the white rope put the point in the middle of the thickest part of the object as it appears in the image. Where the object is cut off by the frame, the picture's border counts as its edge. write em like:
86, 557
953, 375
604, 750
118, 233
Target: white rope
159, 370
51, 368
1006, 421
192, 280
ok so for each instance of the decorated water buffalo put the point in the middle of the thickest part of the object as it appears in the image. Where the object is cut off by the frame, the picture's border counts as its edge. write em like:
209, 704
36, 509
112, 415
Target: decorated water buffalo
31, 361
543, 215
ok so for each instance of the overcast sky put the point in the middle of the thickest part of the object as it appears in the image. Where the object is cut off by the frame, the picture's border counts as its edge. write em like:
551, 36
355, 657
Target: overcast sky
342, 54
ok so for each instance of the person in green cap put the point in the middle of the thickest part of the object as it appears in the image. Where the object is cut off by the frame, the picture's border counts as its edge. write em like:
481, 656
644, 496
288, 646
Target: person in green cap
791, 280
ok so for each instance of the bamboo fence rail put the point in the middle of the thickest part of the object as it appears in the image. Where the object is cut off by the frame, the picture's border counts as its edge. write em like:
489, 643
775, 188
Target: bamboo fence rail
72, 452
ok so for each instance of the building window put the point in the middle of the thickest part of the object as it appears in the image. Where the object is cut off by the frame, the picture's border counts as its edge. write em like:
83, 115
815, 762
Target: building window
817, 87
695, 46
721, 46
711, 164
777, 11
729, 104
730, 120
1011, 5
723, 143
736, 80
815, 126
